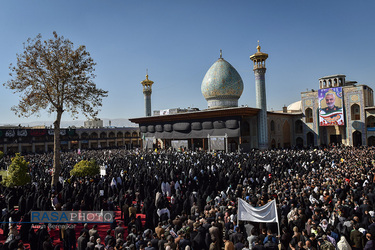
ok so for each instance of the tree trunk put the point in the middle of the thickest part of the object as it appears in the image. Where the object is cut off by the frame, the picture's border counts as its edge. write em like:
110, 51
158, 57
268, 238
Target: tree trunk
56, 150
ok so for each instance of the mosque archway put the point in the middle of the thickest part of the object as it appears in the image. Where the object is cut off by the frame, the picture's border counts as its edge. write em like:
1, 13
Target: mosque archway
310, 139
371, 141
84, 136
370, 121
103, 135
93, 135
357, 138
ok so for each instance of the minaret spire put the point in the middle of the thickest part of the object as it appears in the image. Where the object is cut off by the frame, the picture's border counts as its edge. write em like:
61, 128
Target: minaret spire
259, 60
147, 90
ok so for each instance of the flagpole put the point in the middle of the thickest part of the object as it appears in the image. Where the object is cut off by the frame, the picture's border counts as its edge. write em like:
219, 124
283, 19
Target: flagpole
277, 218
238, 210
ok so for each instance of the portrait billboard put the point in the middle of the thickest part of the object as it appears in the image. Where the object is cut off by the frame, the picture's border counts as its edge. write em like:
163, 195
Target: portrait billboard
330, 107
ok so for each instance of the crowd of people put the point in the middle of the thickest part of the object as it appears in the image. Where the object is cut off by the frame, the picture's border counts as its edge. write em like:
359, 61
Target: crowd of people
325, 199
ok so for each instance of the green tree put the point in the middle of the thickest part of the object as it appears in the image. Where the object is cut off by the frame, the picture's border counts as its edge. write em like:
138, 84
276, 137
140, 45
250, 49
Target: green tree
18, 172
51, 75
85, 168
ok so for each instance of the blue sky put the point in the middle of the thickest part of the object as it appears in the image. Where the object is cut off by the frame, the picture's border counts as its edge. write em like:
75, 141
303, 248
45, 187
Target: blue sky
178, 41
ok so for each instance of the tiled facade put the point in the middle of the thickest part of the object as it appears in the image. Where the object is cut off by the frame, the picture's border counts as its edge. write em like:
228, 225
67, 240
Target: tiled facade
357, 108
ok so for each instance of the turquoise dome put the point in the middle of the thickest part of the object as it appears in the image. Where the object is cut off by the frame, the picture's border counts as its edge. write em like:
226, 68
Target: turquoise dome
222, 86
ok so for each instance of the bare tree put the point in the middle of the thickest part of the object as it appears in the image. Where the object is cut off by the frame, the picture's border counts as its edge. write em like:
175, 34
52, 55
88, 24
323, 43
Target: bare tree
51, 75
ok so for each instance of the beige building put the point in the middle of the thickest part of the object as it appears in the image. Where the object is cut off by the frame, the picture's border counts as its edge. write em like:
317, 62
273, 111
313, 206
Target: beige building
27, 140
340, 112
358, 111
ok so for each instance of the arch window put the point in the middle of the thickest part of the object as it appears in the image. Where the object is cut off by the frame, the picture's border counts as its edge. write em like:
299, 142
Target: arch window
84, 136
103, 135
309, 115
355, 112
119, 135
93, 135
371, 121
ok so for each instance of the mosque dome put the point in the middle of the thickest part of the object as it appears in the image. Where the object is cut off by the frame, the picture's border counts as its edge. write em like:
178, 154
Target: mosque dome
222, 86
295, 106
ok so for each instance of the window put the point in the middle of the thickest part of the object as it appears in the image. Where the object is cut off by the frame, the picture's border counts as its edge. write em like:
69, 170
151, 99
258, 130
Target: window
309, 115
84, 136
93, 135
371, 122
355, 112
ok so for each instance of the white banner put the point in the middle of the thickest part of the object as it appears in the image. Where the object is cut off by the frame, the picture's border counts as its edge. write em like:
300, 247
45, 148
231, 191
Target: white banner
266, 213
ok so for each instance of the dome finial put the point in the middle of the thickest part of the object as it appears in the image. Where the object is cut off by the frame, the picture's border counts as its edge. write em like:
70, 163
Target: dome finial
258, 47
146, 74
221, 54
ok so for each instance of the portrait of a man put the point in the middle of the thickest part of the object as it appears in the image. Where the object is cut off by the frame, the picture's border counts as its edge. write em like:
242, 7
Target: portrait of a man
330, 107
330, 99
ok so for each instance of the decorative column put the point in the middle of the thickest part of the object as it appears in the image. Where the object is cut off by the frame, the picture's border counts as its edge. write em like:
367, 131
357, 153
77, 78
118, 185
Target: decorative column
147, 90
259, 60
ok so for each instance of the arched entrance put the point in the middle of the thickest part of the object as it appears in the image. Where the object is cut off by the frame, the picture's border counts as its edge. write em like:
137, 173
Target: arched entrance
357, 138
286, 134
371, 141
310, 139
